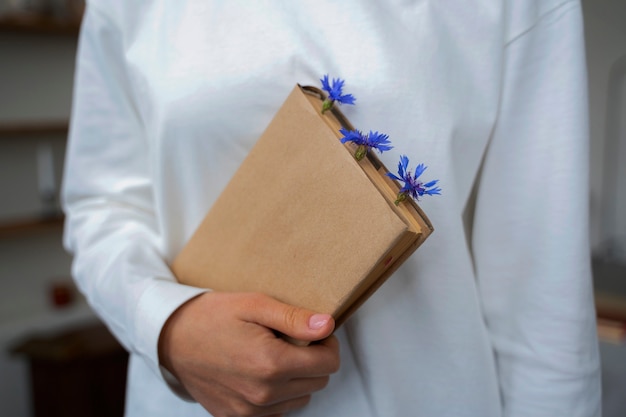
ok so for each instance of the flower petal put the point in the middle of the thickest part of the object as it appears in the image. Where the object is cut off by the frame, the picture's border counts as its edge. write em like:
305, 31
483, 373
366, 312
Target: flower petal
390, 175
402, 165
419, 170
346, 99
431, 183
325, 84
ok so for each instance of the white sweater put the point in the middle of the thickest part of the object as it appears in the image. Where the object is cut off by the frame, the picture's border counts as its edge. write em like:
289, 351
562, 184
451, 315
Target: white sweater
492, 317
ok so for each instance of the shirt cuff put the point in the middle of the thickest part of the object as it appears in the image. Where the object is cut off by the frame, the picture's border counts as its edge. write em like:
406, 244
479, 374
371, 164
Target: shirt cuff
155, 306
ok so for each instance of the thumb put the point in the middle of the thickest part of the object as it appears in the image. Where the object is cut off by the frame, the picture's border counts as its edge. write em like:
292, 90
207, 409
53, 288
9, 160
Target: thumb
295, 323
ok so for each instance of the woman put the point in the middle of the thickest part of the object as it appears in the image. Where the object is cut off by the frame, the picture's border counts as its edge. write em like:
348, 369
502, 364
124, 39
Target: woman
493, 316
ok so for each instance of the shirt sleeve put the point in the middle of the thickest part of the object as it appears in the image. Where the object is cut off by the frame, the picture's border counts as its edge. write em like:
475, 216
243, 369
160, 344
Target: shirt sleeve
530, 234
111, 226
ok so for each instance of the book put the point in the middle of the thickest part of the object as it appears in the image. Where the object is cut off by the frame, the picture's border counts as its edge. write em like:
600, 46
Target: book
302, 220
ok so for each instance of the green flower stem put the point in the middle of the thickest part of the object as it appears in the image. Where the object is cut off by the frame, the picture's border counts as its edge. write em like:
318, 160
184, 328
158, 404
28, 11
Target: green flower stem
360, 153
327, 105
401, 198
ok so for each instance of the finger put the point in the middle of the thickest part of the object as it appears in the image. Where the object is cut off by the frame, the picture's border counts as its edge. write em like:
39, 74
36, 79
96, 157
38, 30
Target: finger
242, 407
289, 362
231, 403
294, 322
265, 396
278, 409
317, 360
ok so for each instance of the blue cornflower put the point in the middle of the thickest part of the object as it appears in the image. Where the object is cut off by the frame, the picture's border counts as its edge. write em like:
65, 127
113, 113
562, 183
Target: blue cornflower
335, 93
366, 142
412, 187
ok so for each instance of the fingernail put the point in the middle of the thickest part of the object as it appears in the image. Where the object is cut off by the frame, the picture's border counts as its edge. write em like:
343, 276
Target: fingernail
317, 321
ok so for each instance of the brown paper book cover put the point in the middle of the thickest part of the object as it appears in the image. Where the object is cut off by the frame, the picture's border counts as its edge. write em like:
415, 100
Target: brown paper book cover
302, 220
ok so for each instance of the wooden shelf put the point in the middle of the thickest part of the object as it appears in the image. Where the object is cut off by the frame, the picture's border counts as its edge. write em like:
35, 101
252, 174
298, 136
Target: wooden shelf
28, 226
33, 129
39, 24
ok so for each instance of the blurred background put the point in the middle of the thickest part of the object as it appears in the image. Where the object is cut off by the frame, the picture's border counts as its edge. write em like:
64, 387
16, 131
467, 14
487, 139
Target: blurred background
56, 359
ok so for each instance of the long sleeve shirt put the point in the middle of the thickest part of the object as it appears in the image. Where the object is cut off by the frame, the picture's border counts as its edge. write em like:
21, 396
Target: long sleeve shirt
491, 317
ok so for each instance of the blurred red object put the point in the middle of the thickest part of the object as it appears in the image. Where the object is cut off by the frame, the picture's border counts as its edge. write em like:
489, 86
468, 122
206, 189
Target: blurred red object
62, 293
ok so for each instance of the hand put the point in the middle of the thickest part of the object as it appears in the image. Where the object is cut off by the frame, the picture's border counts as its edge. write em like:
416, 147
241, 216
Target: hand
223, 349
